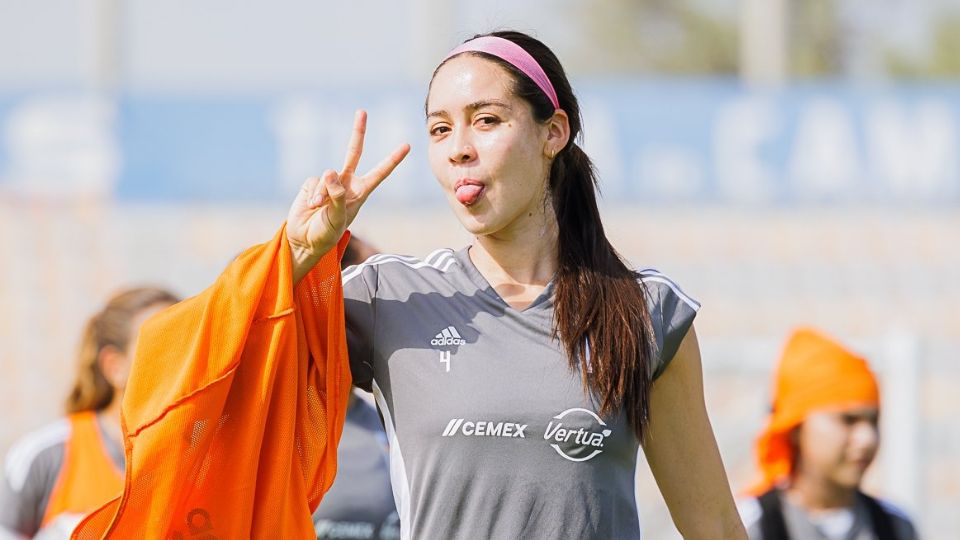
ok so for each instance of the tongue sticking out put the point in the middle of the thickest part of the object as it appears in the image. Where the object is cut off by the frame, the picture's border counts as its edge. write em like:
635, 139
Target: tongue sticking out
468, 194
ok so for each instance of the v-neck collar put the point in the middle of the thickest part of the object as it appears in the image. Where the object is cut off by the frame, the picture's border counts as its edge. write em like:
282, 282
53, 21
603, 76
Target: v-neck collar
543, 301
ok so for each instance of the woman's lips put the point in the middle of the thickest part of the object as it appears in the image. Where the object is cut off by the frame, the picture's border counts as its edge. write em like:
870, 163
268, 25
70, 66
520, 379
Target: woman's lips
468, 191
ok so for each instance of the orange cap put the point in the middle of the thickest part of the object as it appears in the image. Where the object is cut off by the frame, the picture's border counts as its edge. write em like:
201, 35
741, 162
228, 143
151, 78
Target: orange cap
815, 373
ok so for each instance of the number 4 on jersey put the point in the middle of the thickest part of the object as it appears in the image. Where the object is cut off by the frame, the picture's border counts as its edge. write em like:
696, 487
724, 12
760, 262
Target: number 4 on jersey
445, 359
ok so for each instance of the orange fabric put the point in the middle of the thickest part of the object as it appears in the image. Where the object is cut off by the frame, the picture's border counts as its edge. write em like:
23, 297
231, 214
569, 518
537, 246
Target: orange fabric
815, 373
234, 407
88, 477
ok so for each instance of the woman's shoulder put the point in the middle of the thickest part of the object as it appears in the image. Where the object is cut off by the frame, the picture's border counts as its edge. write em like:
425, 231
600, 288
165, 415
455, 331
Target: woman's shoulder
662, 288
750, 513
39, 449
903, 525
392, 265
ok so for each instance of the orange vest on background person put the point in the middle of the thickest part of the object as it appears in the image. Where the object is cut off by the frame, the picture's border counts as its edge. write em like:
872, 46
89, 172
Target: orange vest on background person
88, 477
234, 407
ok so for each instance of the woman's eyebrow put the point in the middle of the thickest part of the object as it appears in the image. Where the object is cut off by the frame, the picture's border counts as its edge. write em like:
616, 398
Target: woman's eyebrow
474, 106
488, 103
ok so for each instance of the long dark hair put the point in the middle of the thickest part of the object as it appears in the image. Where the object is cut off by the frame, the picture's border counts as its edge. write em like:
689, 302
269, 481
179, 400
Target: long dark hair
600, 314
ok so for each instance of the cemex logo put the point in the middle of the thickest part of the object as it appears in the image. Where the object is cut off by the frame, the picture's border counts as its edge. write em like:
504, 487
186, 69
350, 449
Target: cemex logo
484, 428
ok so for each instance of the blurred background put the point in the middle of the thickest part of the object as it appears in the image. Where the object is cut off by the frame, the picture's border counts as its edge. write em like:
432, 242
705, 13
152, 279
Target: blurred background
787, 162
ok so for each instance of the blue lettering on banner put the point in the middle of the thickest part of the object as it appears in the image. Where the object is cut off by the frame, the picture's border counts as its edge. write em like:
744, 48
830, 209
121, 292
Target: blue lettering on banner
653, 142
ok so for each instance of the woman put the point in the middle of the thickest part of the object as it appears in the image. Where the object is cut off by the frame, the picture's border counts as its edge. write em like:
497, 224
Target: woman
68, 468
821, 436
517, 376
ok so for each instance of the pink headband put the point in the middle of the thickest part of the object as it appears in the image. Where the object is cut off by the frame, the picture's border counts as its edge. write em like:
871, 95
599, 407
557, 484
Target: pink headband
514, 55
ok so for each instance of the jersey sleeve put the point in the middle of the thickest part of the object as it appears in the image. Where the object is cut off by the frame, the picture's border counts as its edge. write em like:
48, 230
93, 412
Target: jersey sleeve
671, 312
27, 481
359, 294
750, 513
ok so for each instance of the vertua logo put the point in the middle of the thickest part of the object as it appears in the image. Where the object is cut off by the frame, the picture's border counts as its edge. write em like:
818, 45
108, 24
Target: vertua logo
577, 434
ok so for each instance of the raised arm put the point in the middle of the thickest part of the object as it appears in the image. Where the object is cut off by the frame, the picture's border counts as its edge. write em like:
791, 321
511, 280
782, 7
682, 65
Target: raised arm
683, 454
326, 205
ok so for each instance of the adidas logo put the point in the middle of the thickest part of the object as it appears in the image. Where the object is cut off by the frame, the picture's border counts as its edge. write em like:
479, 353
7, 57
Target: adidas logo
449, 336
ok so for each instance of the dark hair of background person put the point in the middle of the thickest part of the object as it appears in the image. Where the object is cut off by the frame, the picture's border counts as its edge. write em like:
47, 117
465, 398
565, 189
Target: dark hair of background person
356, 252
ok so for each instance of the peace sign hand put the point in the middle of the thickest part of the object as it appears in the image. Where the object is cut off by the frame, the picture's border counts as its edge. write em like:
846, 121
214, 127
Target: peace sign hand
326, 205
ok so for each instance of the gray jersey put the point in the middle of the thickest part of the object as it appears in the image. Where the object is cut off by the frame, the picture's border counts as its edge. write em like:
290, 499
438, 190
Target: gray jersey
31, 469
491, 433
802, 526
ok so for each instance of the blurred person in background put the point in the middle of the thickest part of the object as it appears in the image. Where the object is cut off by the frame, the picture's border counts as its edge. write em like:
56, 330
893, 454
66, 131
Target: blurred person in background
821, 436
360, 503
53, 476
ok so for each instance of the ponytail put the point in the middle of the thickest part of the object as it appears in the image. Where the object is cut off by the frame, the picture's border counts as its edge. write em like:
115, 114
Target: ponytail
111, 327
91, 391
600, 310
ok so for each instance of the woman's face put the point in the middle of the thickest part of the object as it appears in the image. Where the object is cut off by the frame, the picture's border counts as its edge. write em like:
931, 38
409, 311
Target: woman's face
837, 446
485, 148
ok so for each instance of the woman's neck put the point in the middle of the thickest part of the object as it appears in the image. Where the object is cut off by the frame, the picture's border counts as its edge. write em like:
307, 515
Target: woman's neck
520, 260
110, 417
819, 493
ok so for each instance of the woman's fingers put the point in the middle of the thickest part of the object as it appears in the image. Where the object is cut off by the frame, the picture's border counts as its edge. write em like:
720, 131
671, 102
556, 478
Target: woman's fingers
343, 193
327, 204
355, 146
383, 169
337, 196
307, 192
331, 194
320, 191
